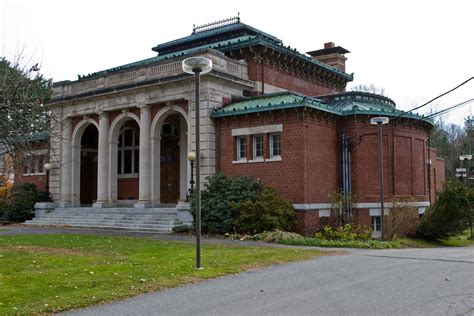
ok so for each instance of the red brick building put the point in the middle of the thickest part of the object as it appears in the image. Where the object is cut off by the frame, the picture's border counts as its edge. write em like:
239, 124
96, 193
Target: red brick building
266, 110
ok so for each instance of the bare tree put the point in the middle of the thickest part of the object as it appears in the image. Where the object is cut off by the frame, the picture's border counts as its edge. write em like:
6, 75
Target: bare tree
369, 89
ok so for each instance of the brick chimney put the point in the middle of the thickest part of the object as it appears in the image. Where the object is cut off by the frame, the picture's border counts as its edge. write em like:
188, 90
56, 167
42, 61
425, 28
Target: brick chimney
332, 55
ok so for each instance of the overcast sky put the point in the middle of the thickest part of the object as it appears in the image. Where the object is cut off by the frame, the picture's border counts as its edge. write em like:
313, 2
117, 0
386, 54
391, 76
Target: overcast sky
415, 50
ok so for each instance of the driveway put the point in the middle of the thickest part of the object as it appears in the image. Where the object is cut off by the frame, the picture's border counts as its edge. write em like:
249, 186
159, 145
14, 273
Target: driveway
383, 282
437, 281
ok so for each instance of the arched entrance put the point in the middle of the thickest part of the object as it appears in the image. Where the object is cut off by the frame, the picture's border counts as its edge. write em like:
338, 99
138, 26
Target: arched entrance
84, 162
124, 151
169, 159
170, 168
88, 167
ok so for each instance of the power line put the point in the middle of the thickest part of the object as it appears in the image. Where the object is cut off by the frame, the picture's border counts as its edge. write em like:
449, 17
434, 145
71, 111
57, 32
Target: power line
436, 98
448, 109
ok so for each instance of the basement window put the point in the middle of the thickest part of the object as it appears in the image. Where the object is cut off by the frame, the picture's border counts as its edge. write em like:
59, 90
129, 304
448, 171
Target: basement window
376, 226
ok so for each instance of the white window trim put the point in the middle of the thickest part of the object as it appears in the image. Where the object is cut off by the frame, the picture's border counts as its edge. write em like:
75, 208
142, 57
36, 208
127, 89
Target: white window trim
254, 153
324, 213
271, 147
375, 232
274, 158
257, 130
36, 153
241, 159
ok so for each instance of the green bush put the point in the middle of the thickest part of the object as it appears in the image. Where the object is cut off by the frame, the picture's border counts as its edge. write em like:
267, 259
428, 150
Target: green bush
268, 212
450, 215
346, 233
22, 202
220, 193
315, 242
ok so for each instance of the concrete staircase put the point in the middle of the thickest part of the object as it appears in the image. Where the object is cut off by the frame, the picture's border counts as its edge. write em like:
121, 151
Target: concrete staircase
156, 220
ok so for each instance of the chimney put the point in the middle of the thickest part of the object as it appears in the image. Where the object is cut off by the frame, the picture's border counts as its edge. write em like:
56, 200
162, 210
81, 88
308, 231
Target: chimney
331, 55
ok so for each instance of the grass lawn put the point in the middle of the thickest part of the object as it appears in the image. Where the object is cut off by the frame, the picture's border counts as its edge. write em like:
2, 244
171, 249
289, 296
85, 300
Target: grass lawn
50, 273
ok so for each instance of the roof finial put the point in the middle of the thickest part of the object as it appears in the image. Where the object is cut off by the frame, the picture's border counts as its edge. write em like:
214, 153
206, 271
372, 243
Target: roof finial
238, 16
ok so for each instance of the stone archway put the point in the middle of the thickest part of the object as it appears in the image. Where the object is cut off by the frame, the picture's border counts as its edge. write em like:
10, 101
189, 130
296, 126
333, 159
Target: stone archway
114, 132
76, 158
180, 119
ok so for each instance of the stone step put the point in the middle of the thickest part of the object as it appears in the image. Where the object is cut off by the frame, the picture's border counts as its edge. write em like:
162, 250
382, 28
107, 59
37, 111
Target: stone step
125, 218
111, 217
108, 227
107, 211
167, 227
90, 221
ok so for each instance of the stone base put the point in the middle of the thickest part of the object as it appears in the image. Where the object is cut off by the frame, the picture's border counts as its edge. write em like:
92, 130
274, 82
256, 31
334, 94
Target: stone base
100, 204
64, 204
184, 214
143, 204
42, 208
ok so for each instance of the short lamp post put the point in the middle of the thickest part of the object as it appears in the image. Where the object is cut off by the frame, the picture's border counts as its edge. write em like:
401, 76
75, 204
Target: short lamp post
381, 120
191, 158
47, 195
197, 66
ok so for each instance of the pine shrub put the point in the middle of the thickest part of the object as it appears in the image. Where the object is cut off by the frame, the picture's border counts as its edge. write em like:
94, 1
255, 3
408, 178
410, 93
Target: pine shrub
268, 212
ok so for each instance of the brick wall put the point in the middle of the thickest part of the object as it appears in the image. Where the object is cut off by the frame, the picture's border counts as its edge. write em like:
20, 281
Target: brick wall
310, 167
404, 155
275, 76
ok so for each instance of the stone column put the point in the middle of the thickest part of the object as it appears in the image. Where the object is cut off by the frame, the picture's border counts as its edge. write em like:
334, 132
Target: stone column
66, 164
144, 172
103, 162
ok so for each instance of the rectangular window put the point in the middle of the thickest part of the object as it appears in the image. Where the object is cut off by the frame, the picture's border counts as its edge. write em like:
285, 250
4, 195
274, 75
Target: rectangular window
376, 224
275, 145
258, 147
241, 148
34, 165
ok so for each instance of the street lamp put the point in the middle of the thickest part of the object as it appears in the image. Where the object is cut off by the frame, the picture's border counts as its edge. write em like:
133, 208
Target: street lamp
467, 168
47, 196
380, 120
197, 66
191, 158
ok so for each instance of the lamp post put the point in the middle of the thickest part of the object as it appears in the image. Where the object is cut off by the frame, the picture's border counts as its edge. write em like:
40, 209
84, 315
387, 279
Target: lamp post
197, 66
381, 120
466, 159
47, 196
191, 158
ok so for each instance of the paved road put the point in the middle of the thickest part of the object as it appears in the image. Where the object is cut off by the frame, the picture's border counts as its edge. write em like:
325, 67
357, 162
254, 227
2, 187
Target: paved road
383, 282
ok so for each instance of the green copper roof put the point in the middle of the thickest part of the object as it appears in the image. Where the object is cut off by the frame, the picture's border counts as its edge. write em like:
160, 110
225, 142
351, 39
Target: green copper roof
273, 101
212, 34
343, 104
225, 38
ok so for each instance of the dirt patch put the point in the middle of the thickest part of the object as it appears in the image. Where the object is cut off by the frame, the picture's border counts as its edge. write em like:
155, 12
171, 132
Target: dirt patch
43, 250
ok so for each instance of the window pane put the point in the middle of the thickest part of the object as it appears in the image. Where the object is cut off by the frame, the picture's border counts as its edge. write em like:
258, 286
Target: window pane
258, 146
137, 159
241, 147
128, 137
119, 162
127, 166
120, 144
137, 139
276, 145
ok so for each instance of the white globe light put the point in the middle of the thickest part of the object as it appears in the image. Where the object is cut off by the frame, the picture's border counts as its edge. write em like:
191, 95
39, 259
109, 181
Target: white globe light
197, 64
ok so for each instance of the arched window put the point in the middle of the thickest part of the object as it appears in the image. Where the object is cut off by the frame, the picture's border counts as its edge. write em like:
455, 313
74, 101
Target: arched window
127, 160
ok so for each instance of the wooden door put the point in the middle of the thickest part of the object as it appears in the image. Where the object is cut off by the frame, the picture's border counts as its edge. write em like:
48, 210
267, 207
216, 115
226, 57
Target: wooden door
87, 170
169, 171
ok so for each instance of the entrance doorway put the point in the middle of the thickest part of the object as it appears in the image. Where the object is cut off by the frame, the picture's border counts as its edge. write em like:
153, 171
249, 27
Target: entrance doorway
89, 143
169, 176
